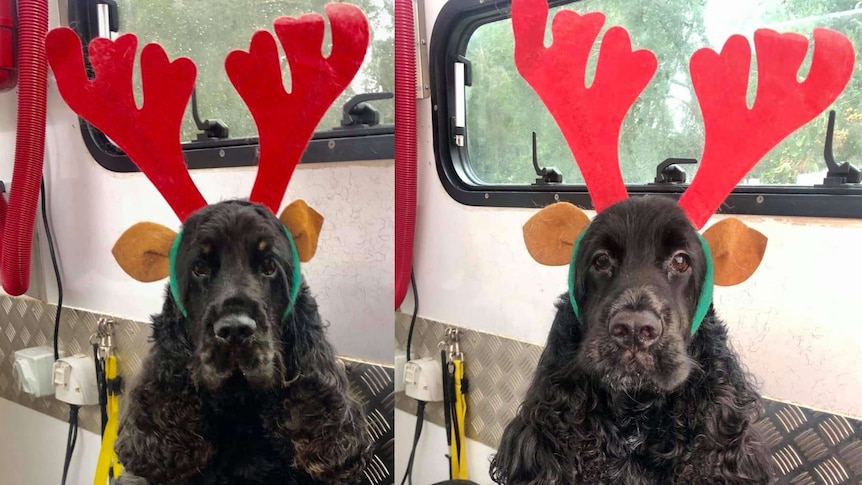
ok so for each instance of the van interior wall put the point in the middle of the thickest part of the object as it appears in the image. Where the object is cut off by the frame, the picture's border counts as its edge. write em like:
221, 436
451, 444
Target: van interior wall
90, 207
34, 445
431, 464
794, 322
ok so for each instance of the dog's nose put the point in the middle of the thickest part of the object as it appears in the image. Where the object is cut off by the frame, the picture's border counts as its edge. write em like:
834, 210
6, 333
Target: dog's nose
635, 329
234, 328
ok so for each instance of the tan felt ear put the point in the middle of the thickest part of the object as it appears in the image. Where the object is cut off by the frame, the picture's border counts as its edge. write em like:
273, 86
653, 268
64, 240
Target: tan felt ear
551, 233
143, 251
737, 251
304, 224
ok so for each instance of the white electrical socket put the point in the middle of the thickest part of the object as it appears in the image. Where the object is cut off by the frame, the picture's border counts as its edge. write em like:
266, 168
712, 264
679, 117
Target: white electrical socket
400, 361
32, 369
75, 380
423, 379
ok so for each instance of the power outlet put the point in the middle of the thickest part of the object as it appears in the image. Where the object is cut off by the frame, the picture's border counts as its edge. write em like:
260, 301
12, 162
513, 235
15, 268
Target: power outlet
75, 380
423, 379
400, 361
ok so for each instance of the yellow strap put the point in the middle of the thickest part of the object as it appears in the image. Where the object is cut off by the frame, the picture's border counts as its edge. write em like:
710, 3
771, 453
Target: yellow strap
459, 460
107, 455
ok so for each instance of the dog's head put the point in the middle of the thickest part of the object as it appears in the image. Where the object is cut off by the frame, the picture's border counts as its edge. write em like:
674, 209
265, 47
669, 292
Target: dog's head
234, 274
638, 283
639, 273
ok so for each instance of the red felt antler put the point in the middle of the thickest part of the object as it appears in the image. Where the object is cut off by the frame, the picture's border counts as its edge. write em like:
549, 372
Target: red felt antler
589, 117
738, 137
286, 121
150, 136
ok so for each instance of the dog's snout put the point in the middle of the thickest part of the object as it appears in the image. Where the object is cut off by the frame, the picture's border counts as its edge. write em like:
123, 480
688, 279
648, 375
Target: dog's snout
234, 328
635, 329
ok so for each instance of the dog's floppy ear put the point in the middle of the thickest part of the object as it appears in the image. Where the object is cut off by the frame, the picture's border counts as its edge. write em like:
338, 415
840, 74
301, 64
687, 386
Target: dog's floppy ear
143, 251
304, 224
551, 233
737, 250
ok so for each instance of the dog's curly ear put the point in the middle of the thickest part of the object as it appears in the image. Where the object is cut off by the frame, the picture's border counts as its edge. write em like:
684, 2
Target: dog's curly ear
143, 251
737, 250
304, 224
551, 233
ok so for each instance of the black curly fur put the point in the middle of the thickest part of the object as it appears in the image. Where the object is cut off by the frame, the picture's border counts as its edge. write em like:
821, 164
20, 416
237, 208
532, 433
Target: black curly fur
301, 426
584, 422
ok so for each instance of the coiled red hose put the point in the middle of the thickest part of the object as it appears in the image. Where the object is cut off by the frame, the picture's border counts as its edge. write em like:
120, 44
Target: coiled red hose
29, 146
405, 145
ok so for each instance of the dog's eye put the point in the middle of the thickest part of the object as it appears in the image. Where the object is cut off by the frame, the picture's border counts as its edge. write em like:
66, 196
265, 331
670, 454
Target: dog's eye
601, 262
680, 262
200, 270
268, 268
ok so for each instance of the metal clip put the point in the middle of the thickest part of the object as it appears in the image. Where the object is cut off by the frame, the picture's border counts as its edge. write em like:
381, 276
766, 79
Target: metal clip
453, 340
106, 337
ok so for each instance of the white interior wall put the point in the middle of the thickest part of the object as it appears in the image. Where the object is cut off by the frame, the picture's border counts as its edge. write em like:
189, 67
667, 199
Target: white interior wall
431, 465
33, 447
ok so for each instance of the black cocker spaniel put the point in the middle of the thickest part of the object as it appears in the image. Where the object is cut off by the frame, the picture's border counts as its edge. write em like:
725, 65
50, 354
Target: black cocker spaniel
627, 395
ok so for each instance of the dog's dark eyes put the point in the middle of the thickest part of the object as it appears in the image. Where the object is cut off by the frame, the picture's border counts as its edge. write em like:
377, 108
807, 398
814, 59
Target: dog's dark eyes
601, 262
268, 267
200, 269
680, 262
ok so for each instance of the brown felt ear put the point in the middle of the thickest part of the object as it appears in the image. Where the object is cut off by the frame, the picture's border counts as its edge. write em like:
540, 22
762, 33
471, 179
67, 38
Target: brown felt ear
551, 233
304, 224
737, 251
143, 251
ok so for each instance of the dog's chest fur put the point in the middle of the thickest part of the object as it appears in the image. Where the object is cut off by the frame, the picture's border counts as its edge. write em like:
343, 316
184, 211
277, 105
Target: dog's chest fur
635, 441
246, 452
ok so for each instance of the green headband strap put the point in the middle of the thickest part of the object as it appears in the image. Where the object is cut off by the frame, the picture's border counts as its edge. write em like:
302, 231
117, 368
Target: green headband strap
703, 301
294, 289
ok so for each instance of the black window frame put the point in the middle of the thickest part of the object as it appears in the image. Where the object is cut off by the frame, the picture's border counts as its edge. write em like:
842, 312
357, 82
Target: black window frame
454, 26
343, 145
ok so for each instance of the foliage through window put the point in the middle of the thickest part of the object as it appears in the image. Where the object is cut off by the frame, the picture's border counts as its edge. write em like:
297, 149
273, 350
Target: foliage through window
665, 122
207, 31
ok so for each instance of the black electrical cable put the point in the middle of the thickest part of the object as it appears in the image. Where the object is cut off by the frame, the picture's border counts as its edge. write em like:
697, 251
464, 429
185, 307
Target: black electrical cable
102, 386
420, 408
56, 273
420, 420
71, 439
415, 312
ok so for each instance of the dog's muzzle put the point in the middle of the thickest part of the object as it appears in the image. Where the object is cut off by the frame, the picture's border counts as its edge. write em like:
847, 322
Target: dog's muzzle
635, 330
234, 329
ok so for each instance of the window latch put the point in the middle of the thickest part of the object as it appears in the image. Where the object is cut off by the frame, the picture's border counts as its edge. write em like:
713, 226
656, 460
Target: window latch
109, 17
357, 112
547, 175
210, 129
463, 79
837, 173
670, 172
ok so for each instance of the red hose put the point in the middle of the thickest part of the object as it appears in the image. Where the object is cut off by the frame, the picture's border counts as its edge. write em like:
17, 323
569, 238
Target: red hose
405, 145
29, 146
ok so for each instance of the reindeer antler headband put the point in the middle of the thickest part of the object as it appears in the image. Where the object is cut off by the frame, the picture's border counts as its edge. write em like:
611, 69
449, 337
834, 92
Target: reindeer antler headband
150, 136
737, 136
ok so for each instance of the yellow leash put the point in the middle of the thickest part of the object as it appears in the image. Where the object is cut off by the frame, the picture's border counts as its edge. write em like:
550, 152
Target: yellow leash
456, 386
459, 457
108, 465
107, 456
